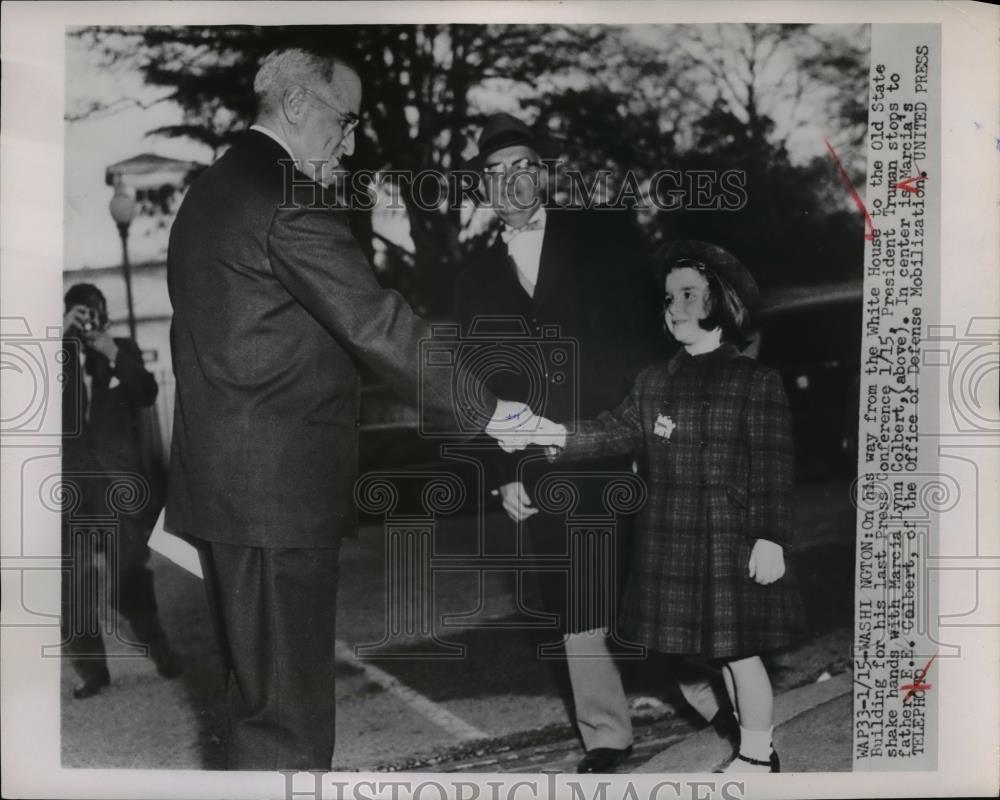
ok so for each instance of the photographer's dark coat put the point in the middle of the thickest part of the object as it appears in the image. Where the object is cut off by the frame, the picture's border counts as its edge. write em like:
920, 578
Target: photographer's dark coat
100, 425
107, 488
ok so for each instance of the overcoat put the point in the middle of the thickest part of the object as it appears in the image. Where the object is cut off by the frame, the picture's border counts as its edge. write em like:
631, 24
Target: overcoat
715, 437
596, 291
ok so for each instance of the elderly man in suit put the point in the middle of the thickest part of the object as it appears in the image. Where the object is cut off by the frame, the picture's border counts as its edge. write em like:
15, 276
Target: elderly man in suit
275, 307
584, 271
105, 383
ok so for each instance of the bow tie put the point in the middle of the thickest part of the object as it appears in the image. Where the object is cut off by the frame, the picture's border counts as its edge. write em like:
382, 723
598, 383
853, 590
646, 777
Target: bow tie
507, 233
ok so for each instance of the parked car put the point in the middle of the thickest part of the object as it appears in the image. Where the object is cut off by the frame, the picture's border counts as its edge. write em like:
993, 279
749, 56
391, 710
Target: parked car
812, 336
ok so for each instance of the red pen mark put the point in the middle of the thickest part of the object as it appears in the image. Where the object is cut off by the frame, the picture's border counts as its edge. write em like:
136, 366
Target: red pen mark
911, 184
918, 684
869, 225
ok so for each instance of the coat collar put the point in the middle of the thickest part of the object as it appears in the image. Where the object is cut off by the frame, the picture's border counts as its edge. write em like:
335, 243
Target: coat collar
537, 222
272, 135
683, 358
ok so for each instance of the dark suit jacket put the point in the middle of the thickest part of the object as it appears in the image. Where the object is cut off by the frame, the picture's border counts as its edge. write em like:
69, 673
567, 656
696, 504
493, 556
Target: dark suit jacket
595, 285
274, 308
100, 433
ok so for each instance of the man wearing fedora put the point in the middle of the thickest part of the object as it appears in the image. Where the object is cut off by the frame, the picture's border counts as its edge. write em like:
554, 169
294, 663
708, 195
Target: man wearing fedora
585, 271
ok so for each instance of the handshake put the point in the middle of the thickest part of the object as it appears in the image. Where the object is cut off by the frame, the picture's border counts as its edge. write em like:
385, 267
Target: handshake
515, 426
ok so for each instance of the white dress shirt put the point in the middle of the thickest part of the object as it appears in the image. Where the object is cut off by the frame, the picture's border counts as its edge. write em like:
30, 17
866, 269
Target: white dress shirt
525, 248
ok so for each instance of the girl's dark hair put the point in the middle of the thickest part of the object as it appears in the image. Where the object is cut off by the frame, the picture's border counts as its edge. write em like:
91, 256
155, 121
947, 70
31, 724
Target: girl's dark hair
725, 309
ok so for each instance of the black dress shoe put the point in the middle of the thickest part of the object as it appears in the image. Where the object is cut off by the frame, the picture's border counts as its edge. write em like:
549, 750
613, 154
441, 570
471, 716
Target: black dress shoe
166, 662
602, 759
91, 686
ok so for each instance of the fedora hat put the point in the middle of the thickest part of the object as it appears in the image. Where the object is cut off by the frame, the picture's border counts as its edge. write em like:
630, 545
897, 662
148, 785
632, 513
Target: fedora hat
713, 257
503, 130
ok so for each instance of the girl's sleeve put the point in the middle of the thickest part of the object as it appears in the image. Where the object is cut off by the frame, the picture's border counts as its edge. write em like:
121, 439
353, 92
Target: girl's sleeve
611, 433
772, 460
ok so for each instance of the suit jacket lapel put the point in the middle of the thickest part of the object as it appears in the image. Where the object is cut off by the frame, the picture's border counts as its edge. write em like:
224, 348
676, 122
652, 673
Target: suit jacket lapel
501, 272
558, 255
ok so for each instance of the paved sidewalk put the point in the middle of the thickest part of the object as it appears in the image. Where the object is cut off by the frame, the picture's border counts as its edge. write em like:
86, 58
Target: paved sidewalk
812, 733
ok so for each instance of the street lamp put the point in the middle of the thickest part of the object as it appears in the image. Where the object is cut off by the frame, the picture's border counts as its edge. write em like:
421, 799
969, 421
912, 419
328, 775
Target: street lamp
122, 207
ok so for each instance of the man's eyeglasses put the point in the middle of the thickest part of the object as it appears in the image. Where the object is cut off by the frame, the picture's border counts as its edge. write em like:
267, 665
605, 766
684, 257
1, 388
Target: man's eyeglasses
348, 119
521, 165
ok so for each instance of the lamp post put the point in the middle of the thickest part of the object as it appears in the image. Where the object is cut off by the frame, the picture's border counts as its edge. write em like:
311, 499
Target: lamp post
122, 207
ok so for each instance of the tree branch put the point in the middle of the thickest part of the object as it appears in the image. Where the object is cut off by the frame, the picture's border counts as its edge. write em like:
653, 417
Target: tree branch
100, 110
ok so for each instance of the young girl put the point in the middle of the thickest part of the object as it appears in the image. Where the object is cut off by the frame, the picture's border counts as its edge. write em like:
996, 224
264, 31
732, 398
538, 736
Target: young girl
713, 430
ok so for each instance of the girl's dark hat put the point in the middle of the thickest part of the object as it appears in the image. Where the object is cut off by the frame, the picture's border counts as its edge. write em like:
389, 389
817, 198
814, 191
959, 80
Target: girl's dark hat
715, 258
500, 131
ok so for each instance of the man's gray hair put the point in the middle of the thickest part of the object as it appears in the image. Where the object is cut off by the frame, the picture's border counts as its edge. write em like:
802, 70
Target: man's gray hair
290, 66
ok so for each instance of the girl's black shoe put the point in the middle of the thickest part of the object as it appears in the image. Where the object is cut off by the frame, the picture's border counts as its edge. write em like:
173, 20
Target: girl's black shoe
774, 763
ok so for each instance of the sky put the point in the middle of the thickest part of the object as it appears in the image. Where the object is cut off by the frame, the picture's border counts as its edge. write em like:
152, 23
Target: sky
91, 239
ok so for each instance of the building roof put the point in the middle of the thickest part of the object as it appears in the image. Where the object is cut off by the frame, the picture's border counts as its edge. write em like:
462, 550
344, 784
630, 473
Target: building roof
146, 164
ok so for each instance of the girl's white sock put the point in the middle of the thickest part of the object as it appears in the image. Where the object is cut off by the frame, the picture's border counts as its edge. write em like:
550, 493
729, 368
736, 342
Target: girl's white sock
756, 744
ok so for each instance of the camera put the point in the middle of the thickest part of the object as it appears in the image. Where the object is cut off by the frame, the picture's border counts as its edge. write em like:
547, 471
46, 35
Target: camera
92, 322
536, 366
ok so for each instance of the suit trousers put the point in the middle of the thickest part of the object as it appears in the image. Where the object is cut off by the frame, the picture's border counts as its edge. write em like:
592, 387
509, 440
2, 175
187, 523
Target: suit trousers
274, 611
107, 572
599, 702
585, 598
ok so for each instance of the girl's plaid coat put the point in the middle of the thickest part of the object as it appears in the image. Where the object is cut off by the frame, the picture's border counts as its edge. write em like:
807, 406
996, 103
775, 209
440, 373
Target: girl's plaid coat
714, 435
